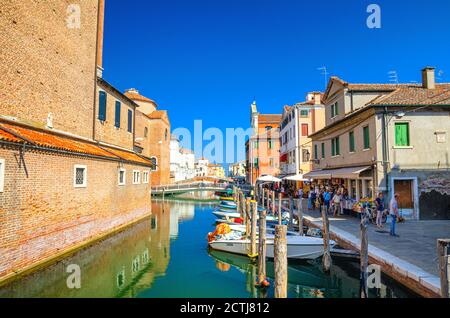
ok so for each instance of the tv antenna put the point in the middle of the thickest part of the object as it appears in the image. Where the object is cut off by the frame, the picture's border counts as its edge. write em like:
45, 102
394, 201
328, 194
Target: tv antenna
439, 76
393, 77
325, 74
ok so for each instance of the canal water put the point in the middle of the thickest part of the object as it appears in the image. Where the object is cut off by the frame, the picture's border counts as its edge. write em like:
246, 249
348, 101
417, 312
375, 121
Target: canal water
167, 256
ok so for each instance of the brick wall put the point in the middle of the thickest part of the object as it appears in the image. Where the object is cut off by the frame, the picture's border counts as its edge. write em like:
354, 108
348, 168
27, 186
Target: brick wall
106, 131
46, 66
42, 213
160, 151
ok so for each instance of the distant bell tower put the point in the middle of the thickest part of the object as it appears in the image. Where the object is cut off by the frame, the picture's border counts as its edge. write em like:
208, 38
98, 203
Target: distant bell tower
254, 117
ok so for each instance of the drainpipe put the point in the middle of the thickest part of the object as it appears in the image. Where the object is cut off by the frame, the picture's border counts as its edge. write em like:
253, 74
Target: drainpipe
385, 150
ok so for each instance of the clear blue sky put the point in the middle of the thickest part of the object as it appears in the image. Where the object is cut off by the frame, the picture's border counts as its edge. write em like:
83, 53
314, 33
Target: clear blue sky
207, 59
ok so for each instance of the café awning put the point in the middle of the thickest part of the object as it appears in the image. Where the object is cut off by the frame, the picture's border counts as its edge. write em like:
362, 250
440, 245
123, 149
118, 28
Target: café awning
296, 177
341, 173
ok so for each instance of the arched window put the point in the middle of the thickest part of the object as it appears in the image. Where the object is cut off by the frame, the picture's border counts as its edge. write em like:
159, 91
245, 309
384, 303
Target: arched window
154, 163
166, 133
145, 132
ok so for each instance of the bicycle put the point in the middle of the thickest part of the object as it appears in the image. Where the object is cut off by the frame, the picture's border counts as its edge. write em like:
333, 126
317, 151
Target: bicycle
373, 216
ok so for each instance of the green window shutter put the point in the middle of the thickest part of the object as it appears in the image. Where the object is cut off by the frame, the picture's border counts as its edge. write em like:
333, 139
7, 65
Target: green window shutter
117, 117
130, 120
333, 148
332, 111
336, 109
316, 154
102, 106
402, 134
366, 137
338, 150
351, 141
323, 150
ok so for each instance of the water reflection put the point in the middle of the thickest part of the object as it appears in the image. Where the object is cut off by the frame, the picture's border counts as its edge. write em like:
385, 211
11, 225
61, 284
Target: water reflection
163, 255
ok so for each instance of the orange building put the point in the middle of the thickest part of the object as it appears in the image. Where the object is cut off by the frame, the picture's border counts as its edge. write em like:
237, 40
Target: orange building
152, 136
263, 147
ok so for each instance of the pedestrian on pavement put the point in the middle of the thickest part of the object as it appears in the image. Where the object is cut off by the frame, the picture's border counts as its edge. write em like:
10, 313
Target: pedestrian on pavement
393, 210
327, 199
337, 203
380, 209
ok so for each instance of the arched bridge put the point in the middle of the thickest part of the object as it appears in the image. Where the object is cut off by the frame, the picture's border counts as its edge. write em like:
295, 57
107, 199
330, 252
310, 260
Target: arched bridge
182, 188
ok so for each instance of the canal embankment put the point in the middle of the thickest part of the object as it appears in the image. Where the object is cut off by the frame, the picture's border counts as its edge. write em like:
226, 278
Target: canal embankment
410, 259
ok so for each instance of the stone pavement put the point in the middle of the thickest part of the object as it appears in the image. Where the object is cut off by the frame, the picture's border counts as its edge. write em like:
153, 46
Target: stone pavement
413, 253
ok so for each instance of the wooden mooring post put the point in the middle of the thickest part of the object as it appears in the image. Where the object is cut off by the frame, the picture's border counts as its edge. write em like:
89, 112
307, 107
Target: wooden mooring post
273, 202
443, 252
247, 218
364, 255
291, 212
300, 215
253, 251
280, 261
279, 208
326, 241
262, 197
262, 249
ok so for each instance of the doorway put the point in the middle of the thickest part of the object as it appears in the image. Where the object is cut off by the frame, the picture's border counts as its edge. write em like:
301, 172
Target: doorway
406, 188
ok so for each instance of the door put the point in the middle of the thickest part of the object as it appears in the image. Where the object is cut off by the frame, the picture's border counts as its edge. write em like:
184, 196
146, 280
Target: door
405, 190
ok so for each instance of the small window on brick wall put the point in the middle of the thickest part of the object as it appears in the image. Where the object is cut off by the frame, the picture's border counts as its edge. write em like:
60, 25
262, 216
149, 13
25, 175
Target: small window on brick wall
80, 176
154, 163
2, 174
145, 177
136, 177
122, 175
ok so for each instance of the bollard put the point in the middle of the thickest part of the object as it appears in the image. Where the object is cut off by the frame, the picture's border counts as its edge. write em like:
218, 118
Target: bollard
300, 216
262, 248
364, 255
443, 246
326, 241
280, 261
279, 208
253, 252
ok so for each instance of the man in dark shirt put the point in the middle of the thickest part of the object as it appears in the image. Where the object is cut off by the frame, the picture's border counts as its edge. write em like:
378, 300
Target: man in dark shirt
379, 201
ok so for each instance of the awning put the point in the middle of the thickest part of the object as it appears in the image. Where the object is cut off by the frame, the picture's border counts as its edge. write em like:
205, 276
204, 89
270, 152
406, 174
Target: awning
296, 177
344, 173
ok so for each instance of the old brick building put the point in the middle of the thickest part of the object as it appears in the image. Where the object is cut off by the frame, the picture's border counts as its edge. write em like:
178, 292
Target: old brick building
153, 135
68, 170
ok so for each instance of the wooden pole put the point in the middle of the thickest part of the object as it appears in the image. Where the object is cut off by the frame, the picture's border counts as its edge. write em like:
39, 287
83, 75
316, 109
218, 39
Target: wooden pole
280, 261
279, 208
262, 248
262, 196
443, 246
291, 212
253, 251
300, 215
273, 202
326, 241
364, 255
247, 217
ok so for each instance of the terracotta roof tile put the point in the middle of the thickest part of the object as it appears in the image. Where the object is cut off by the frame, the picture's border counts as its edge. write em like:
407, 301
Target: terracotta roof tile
416, 95
157, 114
138, 97
269, 118
21, 135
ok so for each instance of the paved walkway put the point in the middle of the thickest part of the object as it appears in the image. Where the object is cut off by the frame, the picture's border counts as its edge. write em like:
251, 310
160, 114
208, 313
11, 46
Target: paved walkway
413, 253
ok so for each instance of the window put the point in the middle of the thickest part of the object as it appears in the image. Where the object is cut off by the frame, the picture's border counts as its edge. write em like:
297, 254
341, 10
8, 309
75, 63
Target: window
166, 134
130, 120
271, 162
402, 134
136, 177
316, 152
305, 130
351, 141
80, 176
2, 174
305, 155
304, 113
145, 177
323, 150
145, 132
117, 117
268, 128
335, 151
121, 176
334, 110
366, 137
102, 106
269, 144
154, 163
256, 144
256, 162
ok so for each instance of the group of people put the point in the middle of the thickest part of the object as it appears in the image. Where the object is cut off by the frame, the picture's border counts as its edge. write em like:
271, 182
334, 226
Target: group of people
330, 198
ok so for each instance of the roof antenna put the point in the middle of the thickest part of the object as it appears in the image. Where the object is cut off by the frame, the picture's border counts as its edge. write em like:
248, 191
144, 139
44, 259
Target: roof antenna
393, 77
325, 74
439, 75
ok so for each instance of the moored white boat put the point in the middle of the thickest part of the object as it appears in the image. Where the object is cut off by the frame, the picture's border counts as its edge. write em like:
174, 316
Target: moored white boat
298, 247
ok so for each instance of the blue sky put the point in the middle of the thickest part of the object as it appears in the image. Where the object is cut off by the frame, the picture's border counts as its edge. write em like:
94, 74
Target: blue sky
208, 59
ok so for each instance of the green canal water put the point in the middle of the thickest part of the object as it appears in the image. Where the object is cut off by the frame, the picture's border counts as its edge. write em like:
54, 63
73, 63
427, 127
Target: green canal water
167, 256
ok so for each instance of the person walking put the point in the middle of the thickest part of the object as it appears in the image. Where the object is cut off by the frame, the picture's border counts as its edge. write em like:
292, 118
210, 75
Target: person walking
379, 201
393, 210
313, 199
327, 200
337, 203
321, 200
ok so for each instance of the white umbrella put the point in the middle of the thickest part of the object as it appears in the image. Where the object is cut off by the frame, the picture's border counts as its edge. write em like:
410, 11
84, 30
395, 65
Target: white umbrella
297, 177
268, 178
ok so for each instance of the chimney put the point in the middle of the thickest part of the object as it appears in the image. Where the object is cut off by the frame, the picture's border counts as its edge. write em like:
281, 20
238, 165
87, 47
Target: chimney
428, 80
